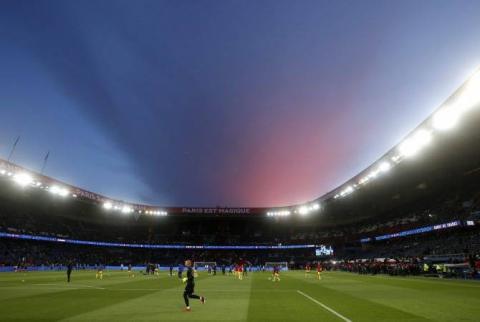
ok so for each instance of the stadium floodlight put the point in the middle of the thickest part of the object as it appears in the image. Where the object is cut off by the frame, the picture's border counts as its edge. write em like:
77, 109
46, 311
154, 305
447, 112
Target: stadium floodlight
385, 166
446, 118
279, 213
373, 174
3, 172
303, 210
396, 158
107, 205
126, 209
56, 190
23, 179
348, 190
63, 192
412, 145
315, 206
422, 137
159, 213
470, 97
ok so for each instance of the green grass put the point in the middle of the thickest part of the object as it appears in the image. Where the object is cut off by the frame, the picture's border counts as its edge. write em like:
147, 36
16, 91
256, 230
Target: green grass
47, 297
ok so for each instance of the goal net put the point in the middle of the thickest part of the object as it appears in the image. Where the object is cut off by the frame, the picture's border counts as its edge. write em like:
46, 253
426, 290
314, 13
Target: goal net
270, 265
203, 266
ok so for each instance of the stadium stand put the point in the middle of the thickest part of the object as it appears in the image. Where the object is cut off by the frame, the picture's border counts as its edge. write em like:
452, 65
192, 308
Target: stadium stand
401, 213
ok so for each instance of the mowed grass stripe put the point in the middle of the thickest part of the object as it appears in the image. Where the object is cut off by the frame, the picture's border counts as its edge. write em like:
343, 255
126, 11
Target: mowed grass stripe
167, 304
29, 283
324, 306
427, 301
61, 304
443, 300
407, 281
356, 308
282, 303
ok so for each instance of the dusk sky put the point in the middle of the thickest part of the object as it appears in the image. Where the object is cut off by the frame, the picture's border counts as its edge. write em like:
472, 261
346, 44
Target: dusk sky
223, 103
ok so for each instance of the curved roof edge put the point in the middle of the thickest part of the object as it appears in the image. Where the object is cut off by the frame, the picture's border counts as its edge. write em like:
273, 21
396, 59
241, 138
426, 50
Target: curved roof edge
462, 101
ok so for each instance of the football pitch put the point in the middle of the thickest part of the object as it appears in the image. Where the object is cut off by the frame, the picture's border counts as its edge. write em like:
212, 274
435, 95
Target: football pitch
45, 296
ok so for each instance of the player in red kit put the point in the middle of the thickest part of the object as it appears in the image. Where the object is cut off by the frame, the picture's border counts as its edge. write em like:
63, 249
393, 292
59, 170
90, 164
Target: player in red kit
308, 268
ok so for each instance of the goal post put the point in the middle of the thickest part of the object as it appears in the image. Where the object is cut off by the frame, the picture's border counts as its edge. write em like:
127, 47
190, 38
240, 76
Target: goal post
282, 265
203, 266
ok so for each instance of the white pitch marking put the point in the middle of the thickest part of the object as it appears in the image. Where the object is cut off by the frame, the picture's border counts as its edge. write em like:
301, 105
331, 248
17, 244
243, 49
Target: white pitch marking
67, 286
324, 306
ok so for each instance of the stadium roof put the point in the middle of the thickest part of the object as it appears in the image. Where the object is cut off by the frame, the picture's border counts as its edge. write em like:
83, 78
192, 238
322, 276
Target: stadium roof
446, 142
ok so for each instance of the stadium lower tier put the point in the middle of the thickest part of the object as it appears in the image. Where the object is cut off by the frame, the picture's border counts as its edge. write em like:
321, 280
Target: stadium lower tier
34, 253
452, 253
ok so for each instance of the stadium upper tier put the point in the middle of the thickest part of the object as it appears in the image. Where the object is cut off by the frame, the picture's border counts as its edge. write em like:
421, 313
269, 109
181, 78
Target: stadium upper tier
426, 156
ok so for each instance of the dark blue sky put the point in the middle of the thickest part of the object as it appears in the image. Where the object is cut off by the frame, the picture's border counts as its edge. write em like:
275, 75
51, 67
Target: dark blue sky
238, 103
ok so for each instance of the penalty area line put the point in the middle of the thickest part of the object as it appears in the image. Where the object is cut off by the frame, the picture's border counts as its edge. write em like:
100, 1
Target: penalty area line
324, 306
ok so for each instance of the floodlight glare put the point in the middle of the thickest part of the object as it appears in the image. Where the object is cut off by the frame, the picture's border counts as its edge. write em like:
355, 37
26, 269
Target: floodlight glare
23, 179
54, 189
63, 192
422, 137
159, 213
470, 97
107, 205
126, 209
446, 118
415, 143
384, 166
59, 191
280, 213
316, 206
373, 174
303, 210
363, 180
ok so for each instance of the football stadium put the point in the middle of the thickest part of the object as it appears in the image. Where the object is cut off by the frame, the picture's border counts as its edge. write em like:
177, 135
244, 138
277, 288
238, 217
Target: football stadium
398, 240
